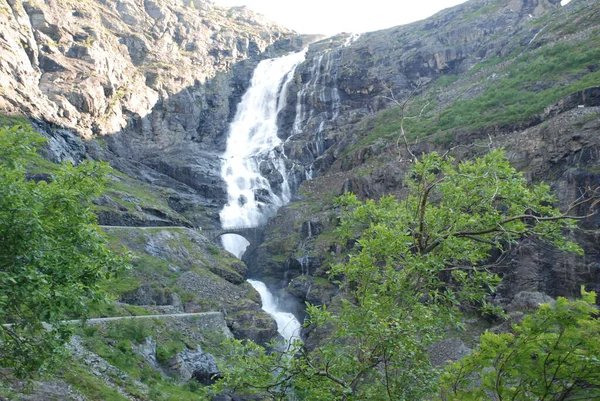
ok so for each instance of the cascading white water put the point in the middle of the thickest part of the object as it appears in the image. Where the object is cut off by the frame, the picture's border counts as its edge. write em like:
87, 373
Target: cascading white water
287, 324
315, 74
320, 93
254, 147
252, 143
351, 39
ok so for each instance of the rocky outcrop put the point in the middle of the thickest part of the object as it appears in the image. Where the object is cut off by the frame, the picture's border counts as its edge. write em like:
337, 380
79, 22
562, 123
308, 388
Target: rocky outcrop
343, 135
194, 364
147, 295
178, 270
154, 82
240, 303
93, 66
448, 350
562, 151
346, 78
527, 301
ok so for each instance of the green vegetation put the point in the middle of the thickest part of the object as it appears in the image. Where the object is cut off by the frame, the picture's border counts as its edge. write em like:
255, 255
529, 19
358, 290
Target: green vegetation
524, 91
551, 355
119, 94
486, 9
115, 343
109, 309
179, 251
166, 352
92, 387
130, 193
118, 342
417, 264
523, 86
10, 121
54, 256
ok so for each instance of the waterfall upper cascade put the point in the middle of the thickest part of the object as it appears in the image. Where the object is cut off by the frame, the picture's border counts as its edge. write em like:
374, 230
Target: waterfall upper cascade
319, 102
319, 92
254, 167
254, 151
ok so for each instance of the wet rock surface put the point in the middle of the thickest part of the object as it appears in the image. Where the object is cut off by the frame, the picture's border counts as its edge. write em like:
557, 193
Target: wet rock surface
154, 83
151, 86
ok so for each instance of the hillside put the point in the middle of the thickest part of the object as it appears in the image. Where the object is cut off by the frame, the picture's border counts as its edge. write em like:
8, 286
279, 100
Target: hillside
151, 87
480, 75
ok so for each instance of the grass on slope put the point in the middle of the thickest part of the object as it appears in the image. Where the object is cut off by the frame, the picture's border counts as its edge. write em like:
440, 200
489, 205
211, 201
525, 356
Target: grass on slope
117, 343
514, 90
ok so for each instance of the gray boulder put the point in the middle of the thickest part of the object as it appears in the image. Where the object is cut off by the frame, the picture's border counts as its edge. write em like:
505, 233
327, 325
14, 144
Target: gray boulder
194, 364
528, 301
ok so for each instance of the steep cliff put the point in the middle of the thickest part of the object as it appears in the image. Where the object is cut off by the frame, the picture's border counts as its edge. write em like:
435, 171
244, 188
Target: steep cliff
150, 86
153, 82
517, 75
98, 67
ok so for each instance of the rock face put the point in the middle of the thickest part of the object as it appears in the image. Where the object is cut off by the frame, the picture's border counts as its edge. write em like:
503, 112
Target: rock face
93, 67
347, 78
177, 270
244, 315
343, 135
147, 295
154, 81
150, 86
195, 364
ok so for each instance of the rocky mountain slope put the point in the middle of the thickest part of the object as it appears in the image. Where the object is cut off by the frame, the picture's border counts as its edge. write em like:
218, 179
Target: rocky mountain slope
150, 86
93, 67
155, 82
517, 75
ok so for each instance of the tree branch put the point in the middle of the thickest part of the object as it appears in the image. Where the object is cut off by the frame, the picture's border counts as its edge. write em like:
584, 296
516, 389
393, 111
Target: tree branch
473, 234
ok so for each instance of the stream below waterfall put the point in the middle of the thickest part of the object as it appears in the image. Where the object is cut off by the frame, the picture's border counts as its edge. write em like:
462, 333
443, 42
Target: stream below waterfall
253, 143
287, 324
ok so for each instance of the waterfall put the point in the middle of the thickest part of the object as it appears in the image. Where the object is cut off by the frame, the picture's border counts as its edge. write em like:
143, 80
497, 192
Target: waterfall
351, 39
287, 324
315, 75
320, 92
254, 167
254, 150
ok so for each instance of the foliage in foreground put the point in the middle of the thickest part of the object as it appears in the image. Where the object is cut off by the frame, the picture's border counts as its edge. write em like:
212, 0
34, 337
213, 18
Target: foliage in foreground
416, 262
53, 255
552, 355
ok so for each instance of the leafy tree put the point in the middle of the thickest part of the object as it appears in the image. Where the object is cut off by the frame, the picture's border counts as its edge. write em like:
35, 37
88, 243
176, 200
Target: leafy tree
416, 263
53, 255
552, 355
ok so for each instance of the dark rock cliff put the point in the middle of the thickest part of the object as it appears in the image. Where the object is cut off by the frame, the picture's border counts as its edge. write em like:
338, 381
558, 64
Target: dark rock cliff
147, 85
343, 125
151, 85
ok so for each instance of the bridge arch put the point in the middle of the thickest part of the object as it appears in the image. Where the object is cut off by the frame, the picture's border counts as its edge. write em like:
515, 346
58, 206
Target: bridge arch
254, 235
251, 234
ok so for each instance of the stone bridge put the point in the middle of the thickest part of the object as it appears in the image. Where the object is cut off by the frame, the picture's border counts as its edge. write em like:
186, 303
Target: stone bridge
254, 235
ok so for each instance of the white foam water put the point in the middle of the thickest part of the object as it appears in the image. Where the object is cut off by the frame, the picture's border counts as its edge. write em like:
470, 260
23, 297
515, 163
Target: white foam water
253, 146
287, 324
